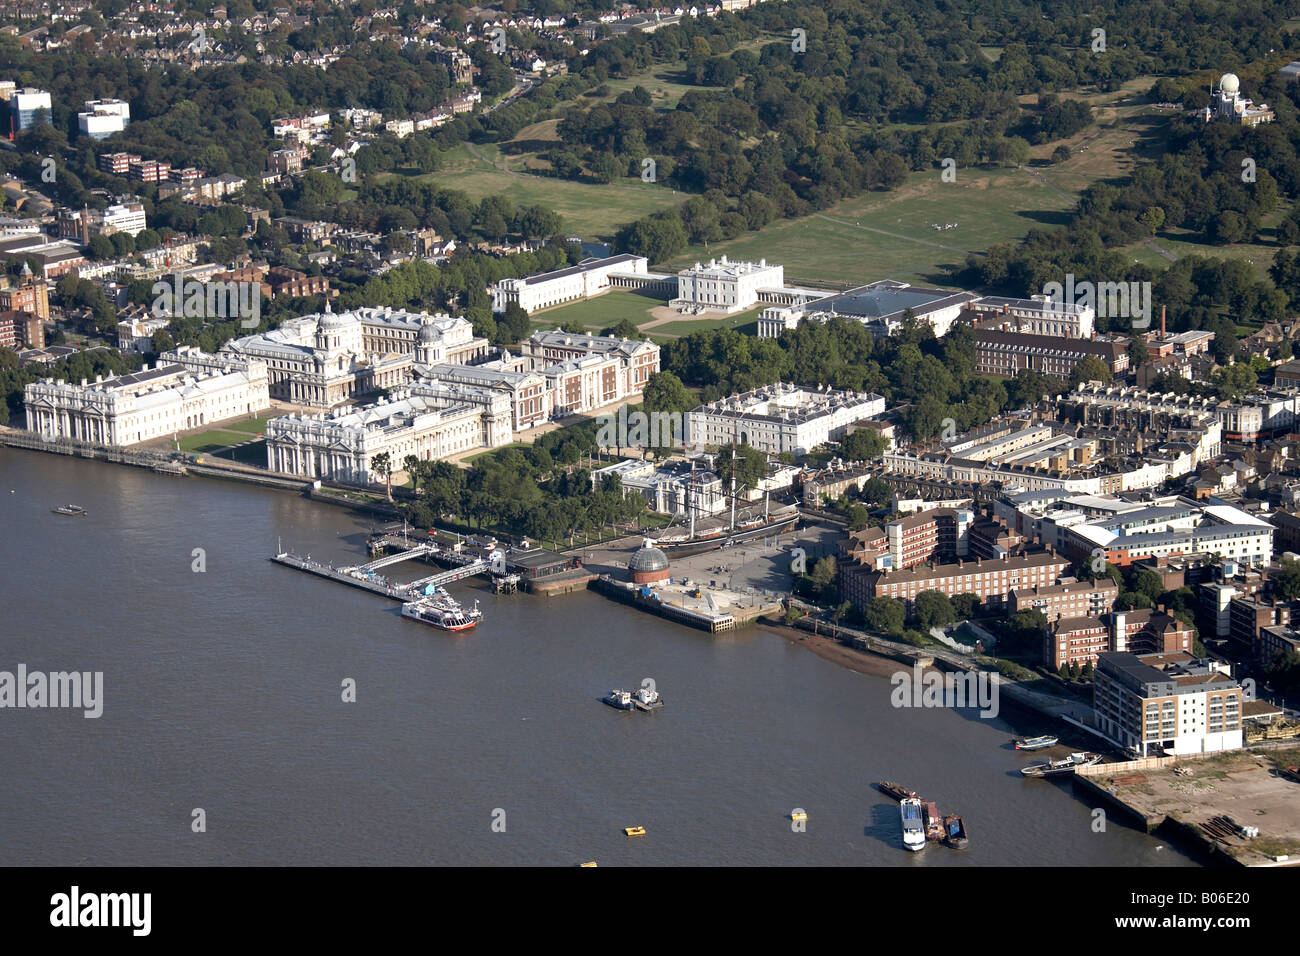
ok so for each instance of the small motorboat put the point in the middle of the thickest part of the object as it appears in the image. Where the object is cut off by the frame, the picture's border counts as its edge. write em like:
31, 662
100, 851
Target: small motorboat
1036, 743
634, 831
1054, 768
69, 510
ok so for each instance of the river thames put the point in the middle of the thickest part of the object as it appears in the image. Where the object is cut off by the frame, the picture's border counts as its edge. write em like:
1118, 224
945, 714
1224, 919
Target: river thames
223, 692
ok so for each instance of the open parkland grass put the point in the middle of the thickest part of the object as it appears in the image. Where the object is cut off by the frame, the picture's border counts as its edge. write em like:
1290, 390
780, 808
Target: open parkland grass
607, 309
601, 312
891, 235
589, 209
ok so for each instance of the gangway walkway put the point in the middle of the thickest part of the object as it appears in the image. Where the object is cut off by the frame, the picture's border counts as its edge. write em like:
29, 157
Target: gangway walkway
419, 551
455, 574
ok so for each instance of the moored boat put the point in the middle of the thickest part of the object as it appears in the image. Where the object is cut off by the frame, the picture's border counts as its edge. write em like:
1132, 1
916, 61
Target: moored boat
442, 611
913, 827
644, 699
1068, 764
933, 822
895, 790
954, 832
1036, 743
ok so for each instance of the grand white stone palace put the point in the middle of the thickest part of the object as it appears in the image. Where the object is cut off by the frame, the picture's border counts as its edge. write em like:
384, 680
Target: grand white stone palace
427, 420
558, 373
451, 407
588, 278
780, 418
324, 359
723, 286
187, 391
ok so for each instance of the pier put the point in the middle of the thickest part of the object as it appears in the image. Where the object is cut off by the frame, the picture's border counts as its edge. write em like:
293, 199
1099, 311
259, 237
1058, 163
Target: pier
419, 551
364, 576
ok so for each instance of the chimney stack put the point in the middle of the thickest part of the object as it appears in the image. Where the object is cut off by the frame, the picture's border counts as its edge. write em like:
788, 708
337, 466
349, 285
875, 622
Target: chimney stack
1162, 321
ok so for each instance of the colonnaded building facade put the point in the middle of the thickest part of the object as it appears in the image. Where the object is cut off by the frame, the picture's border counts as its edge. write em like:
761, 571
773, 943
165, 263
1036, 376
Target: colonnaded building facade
780, 418
449, 407
188, 390
588, 278
427, 420
324, 359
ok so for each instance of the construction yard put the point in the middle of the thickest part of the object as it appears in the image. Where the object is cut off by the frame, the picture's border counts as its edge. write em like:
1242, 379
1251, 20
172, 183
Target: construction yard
1209, 797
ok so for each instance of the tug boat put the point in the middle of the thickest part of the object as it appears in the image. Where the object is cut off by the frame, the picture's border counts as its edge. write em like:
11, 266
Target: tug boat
1036, 743
444, 612
954, 832
69, 510
913, 827
1054, 768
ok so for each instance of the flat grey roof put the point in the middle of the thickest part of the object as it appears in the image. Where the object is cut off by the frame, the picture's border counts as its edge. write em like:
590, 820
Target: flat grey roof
585, 266
877, 301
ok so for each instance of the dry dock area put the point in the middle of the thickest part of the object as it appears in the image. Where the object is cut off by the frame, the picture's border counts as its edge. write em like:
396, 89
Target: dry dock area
1250, 787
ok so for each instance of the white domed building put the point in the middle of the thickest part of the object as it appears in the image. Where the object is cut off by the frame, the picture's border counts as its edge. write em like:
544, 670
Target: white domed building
325, 359
1227, 103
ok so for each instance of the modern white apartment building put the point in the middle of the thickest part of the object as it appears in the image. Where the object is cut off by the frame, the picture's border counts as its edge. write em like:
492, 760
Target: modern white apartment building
723, 286
1159, 704
25, 104
780, 418
152, 403
123, 217
588, 278
83, 225
102, 118
427, 420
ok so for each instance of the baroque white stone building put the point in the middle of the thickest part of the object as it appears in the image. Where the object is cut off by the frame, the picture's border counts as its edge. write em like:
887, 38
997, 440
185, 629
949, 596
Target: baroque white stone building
324, 359
588, 278
427, 420
153, 403
724, 286
451, 407
558, 373
780, 418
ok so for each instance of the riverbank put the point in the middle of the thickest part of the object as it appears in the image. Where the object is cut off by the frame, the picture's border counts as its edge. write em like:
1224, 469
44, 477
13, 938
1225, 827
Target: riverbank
829, 649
